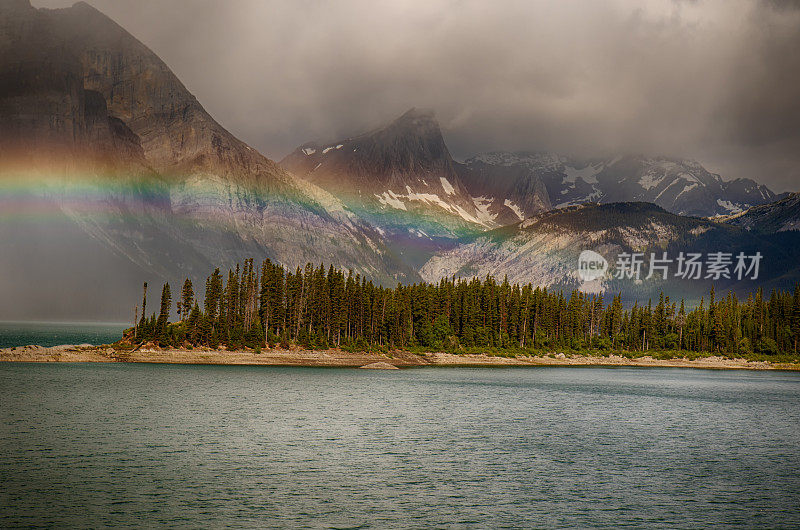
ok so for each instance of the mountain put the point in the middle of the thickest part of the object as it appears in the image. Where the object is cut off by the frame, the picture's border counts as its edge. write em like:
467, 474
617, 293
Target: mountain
779, 216
680, 186
404, 166
544, 250
98, 135
403, 180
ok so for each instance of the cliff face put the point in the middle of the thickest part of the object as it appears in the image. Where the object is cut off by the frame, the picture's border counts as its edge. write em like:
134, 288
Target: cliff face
43, 102
177, 134
137, 86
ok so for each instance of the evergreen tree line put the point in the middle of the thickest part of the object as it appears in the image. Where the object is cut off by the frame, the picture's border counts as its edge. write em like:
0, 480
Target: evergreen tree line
319, 308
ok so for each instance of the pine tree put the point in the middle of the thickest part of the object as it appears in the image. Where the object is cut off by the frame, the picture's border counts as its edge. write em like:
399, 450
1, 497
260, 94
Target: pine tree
680, 321
187, 299
144, 306
230, 319
212, 299
163, 315
195, 324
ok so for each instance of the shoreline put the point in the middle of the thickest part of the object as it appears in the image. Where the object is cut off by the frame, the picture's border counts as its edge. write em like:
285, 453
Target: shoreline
342, 359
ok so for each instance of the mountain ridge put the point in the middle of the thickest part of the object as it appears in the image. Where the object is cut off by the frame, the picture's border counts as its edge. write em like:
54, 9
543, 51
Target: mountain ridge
681, 186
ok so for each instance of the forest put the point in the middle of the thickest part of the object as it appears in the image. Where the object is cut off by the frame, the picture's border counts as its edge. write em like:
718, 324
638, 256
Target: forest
319, 308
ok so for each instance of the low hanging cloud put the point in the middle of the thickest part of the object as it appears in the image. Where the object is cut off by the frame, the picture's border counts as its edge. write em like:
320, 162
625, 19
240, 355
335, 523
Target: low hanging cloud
715, 80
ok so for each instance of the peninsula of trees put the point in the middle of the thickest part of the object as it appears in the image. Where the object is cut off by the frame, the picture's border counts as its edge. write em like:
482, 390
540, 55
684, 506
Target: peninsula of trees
317, 308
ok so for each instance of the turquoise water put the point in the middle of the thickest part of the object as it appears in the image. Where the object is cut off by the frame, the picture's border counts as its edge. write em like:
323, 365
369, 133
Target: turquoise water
56, 333
88, 445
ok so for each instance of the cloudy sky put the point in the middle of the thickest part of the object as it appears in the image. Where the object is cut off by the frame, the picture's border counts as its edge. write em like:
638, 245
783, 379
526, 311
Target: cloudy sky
715, 80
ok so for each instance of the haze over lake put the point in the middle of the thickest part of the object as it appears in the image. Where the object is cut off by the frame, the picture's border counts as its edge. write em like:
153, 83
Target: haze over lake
13, 334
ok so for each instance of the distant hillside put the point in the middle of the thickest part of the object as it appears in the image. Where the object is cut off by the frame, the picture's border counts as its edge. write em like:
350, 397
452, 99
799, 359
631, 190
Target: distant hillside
780, 216
544, 250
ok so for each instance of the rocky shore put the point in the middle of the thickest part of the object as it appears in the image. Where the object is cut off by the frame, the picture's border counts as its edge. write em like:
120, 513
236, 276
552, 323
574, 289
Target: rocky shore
339, 358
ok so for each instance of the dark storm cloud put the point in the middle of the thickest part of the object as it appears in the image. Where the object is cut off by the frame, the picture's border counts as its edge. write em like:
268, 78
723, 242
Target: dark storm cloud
714, 80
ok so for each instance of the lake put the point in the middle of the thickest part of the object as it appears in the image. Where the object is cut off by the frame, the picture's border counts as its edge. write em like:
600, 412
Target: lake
88, 445
56, 333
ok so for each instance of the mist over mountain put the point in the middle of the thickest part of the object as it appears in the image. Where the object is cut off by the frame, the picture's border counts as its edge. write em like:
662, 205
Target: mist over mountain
712, 80
406, 166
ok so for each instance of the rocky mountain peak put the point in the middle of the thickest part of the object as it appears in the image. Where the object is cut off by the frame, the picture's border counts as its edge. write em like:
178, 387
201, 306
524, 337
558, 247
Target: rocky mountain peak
416, 121
408, 152
412, 143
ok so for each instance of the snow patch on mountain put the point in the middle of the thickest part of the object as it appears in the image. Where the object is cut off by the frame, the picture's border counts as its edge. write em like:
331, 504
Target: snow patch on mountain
448, 188
728, 205
679, 185
389, 198
514, 208
650, 180
430, 198
594, 196
686, 189
588, 174
465, 215
398, 202
419, 233
482, 206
